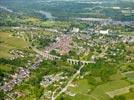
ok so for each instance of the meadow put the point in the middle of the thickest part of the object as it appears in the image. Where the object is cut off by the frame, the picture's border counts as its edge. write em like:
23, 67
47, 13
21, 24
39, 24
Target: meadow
8, 42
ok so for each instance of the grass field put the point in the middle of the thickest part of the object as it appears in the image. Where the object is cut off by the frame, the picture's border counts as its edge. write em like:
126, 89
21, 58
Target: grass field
57, 24
120, 91
83, 92
117, 76
7, 42
130, 49
127, 33
100, 91
129, 75
6, 68
129, 96
82, 87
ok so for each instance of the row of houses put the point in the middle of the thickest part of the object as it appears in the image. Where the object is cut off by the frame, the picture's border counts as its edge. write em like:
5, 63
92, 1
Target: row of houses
23, 73
62, 44
17, 78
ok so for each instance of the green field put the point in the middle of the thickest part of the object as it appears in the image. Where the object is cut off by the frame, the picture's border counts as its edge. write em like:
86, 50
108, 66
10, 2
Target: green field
57, 24
6, 68
7, 42
100, 91
82, 90
82, 87
130, 76
129, 96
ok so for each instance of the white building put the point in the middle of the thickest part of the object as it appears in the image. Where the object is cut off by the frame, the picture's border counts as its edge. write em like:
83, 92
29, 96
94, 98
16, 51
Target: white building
104, 32
117, 8
75, 30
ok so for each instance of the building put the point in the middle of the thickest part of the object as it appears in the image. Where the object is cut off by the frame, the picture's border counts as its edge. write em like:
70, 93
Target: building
75, 30
105, 32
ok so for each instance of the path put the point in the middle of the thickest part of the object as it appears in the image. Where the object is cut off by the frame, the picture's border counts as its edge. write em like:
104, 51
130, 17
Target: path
68, 84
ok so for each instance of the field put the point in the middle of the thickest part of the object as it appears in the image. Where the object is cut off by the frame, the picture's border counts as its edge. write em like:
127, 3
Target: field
53, 24
100, 91
5, 68
128, 33
84, 90
7, 42
129, 96
129, 75
120, 91
80, 88
130, 49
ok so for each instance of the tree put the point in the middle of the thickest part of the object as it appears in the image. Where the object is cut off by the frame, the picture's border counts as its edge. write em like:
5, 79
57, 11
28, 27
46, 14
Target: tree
2, 95
131, 89
119, 98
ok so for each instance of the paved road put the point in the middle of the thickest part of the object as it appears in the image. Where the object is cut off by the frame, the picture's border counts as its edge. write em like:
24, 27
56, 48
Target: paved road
68, 84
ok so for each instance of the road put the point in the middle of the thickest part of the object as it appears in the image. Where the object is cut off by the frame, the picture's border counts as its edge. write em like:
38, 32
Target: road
68, 84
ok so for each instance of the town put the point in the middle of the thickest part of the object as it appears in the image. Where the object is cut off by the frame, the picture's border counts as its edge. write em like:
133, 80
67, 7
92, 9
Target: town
71, 56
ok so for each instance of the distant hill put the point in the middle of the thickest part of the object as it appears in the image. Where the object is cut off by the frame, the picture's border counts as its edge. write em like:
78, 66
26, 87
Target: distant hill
68, 9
